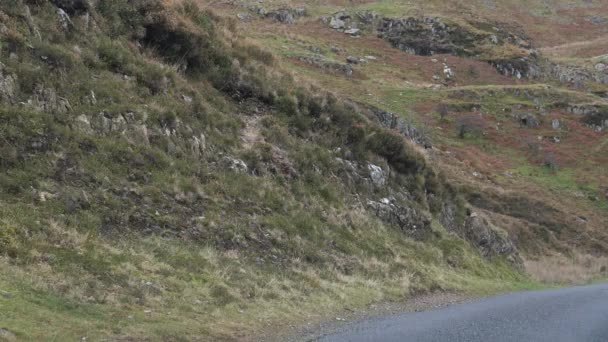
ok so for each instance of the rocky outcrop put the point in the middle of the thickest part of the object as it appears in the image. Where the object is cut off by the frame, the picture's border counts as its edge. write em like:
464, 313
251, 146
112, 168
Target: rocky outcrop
46, 100
577, 75
412, 222
352, 23
286, 15
519, 66
370, 177
432, 35
490, 240
8, 85
104, 123
377, 175
428, 36
73, 6
322, 63
595, 116
401, 125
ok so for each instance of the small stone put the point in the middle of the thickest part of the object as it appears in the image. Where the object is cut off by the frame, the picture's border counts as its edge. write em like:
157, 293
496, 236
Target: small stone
447, 71
352, 60
601, 67
353, 31
244, 16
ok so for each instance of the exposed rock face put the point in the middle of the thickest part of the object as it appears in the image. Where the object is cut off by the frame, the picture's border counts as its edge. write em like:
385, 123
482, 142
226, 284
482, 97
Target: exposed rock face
8, 85
336, 23
578, 75
431, 35
405, 128
448, 217
519, 66
83, 124
366, 176
377, 175
103, 123
47, 100
428, 36
490, 240
64, 19
411, 221
595, 116
286, 15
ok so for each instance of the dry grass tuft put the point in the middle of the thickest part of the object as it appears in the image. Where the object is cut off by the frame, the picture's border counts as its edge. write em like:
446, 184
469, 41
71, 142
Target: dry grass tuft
581, 268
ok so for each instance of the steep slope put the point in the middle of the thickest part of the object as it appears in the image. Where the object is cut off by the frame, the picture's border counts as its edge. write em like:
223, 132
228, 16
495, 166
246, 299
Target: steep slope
515, 111
164, 178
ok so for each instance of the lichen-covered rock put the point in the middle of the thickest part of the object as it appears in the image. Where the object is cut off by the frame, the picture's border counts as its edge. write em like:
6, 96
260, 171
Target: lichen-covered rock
412, 222
106, 123
82, 124
377, 175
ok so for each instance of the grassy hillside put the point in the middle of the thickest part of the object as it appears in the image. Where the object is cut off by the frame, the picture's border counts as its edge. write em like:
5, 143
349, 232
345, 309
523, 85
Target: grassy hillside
556, 155
169, 171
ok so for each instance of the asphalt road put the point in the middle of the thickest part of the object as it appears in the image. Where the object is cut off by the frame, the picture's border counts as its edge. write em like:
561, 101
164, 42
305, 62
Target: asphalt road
578, 314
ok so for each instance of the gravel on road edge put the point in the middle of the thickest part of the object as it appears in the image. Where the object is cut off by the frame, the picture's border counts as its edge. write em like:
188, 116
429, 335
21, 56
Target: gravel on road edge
315, 330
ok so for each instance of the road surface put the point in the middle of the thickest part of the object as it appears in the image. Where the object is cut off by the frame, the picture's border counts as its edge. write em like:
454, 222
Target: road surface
578, 314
